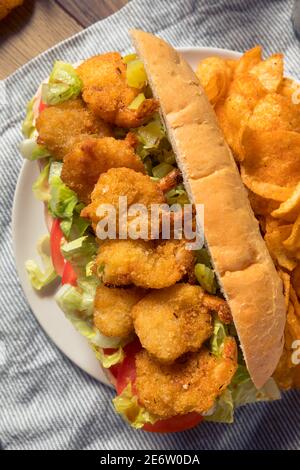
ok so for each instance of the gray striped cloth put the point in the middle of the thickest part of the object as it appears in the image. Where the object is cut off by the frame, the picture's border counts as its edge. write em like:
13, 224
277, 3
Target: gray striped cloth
46, 402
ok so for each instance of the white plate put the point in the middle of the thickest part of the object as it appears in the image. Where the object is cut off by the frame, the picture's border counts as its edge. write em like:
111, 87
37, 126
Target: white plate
28, 226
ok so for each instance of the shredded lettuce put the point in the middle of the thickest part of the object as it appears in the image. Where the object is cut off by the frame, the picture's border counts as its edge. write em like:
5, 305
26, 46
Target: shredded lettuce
80, 252
78, 300
62, 199
138, 100
161, 170
40, 187
177, 195
28, 127
135, 74
64, 84
206, 278
108, 360
40, 278
126, 404
224, 409
218, 337
31, 150
202, 256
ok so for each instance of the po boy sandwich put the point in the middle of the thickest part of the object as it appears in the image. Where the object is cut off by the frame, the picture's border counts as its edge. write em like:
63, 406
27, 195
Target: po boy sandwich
185, 334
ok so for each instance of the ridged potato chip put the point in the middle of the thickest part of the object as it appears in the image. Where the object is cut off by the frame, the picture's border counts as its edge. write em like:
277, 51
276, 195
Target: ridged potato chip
266, 190
214, 75
262, 205
295, 278
249, 60
289, 209
269, 72
273, 112
274, 240
272, 157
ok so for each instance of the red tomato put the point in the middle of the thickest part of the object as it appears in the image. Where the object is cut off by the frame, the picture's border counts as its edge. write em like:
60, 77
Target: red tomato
175, 424
42, 106
69, 276
56, 236
126, 373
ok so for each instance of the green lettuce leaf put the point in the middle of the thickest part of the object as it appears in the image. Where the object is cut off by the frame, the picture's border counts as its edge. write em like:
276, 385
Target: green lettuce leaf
31, 150
108, 360
177, 195
40, 187
40, 278
224, 410
28, 127
218, 337
78, 300
64, 84
80, 252
126, 404
206, 278
62, 199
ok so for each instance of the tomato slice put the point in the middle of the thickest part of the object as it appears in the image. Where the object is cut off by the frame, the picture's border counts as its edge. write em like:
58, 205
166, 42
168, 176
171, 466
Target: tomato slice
175, 424
56, 236
126, 372
42, 106
69, 276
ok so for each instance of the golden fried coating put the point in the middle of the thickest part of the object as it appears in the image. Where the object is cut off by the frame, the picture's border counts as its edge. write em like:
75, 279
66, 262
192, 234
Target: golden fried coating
7, 5
192, 383
106, 92
138, 188
62, 125
143, 263
172, 321
171, 180
218, 306
93, 156
112, 309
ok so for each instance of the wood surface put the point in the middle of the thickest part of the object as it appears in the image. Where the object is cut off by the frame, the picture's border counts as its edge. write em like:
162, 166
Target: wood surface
38, 25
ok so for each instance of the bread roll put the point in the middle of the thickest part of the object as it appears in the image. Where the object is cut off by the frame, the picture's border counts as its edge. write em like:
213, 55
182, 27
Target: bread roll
241, 260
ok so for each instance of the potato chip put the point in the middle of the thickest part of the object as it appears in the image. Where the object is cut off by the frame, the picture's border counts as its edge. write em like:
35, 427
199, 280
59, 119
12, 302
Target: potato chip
272, 157
289, 209
292, 243
286, 280
291, 90
295, 302
293, 323
274, 112
274, 240
249, 60
295, 279
232, 116
269, 72
214, 75
249, 87
266, 190
262, 205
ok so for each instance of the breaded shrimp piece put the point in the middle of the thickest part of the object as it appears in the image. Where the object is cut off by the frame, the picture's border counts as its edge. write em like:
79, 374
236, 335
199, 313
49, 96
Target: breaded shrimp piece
192, 383
106, 92
138, 188
143, 263
218, 306
93, 156
112, 309
173, 321
62, 125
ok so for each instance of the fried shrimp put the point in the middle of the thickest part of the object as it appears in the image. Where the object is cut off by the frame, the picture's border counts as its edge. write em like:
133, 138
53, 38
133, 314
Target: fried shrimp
192, 383
106, 92
116, 182
91, 157
218, 306
62, 125
146, 264
112, 310
172, 321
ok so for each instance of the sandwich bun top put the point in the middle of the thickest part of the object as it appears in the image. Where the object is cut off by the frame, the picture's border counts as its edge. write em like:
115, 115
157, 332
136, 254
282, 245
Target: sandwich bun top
245, 270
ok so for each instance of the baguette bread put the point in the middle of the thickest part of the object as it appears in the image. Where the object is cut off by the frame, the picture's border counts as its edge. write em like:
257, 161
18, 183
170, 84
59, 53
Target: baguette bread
245, 270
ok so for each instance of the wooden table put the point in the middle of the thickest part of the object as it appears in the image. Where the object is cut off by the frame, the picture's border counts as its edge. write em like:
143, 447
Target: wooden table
39, 24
